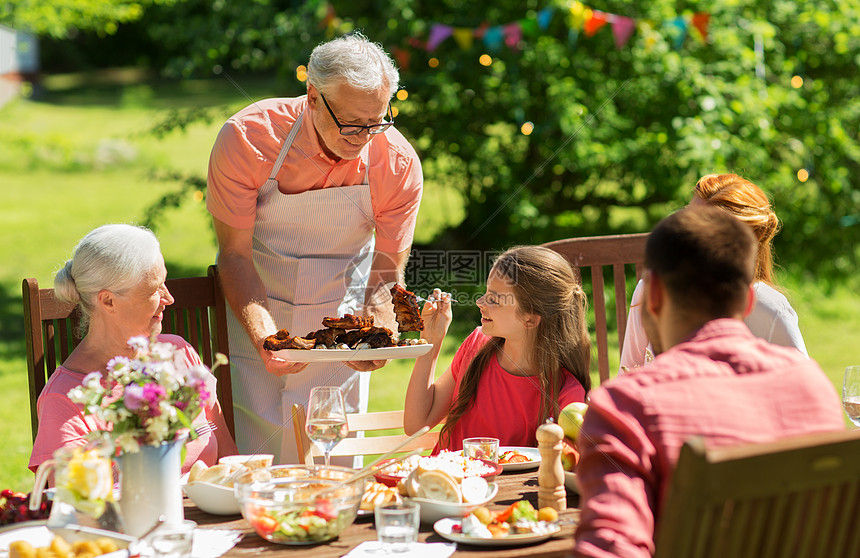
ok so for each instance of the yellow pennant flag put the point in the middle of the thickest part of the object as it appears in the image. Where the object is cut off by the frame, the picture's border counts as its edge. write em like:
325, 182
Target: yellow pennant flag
464, 37
578, 14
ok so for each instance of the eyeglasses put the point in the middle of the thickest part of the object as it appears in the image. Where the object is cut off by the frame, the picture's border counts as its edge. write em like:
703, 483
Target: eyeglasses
355, 129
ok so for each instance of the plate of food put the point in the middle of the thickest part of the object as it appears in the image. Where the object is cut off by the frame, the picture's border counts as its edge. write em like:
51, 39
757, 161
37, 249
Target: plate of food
82, 541
516, 458
347, 355
351, 338
452, 462
519, 524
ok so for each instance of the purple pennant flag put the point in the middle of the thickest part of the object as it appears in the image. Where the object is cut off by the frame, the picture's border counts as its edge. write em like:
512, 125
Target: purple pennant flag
438, 34
622, 29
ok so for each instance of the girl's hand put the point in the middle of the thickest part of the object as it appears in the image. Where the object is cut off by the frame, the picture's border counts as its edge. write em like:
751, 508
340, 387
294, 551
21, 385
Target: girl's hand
437, 316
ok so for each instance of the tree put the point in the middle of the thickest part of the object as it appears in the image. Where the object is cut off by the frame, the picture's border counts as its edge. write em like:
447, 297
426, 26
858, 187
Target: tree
616, 136
63, 18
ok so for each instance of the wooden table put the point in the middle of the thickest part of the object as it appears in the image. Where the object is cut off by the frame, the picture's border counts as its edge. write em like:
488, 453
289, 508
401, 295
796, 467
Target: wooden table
512, 487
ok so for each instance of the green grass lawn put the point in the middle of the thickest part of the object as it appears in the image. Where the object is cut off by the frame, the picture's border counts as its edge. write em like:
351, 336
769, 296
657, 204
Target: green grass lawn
80, 158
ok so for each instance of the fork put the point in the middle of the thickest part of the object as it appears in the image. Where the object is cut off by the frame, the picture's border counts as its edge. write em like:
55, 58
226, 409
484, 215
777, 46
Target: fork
206, 428
431, 299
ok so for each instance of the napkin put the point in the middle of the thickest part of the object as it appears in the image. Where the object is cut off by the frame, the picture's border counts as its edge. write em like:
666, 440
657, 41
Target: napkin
373, 549
211, 543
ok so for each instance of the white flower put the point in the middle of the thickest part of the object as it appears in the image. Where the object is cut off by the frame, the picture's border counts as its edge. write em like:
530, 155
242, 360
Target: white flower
116, 364
162, 351
107, 414
197, 373
139, 343
93, 381
128, 443
78, 395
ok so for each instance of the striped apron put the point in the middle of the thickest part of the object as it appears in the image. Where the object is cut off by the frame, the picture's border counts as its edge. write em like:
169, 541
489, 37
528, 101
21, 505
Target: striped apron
313, 252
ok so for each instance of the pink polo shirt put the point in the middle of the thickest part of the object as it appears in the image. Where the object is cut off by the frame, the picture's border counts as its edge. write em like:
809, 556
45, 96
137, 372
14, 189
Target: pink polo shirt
62, 423
724, 384
506, 406
248, 145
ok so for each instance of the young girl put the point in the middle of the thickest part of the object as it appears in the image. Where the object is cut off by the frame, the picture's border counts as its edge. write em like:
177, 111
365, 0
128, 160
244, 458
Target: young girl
529, 358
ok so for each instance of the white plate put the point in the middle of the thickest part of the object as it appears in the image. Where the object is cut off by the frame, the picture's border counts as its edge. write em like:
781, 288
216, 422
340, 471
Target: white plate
40, 535
570, 481
531, 453
444, 528
434, 510
345, 355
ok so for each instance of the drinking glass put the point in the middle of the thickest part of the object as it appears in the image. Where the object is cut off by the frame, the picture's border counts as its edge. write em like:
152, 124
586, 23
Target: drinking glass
482, 448
173, 540
851, 394
397, 525
326, 422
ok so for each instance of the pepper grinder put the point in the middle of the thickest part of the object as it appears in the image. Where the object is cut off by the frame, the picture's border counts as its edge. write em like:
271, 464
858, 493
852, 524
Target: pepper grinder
551, 490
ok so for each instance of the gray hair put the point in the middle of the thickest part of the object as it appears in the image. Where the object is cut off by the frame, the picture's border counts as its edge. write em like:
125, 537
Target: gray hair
355, 60
113, 257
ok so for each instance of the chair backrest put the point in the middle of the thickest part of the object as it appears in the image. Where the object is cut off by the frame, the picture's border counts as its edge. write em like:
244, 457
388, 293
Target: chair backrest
797, 497
595, 252
361, 422
198, 314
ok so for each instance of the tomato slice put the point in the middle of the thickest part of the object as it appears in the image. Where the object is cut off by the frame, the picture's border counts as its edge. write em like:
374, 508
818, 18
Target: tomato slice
265, 525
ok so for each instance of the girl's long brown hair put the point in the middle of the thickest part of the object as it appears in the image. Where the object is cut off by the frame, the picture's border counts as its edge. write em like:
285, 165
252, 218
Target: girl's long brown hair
544, 284
749, 203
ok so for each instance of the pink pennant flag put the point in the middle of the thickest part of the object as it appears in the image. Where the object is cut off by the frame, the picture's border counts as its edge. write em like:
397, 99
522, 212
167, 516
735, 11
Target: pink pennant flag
622, 29
513, 34
438, 34
593, 24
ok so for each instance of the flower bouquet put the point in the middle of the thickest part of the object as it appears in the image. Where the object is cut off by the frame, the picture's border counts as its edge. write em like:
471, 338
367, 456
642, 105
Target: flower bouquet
146, 404
147, 399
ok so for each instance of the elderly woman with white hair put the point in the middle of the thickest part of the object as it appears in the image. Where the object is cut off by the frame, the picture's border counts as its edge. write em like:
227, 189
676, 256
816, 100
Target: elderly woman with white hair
314, 201
116, 278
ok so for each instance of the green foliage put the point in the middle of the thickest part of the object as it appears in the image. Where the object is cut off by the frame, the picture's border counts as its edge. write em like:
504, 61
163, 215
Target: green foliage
620, 135
64, 18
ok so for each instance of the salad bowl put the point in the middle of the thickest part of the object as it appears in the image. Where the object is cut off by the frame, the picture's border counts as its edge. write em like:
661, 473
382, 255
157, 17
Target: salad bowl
299, 504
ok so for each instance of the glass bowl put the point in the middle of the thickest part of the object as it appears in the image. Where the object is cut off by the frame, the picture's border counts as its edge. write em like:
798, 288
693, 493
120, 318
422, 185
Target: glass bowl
299, 504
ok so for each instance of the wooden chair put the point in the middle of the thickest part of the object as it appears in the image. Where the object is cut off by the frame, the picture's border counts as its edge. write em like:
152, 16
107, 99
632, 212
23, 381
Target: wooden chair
594, 253
199, 315
797, 497
358, 422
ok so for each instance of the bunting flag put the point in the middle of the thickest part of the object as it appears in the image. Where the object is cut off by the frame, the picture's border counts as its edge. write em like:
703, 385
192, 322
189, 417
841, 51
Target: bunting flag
700, 21
438, 33
544, 18
402, 56
622, 30
513, 34
493, 38
464, 37
577, 16
678, 31
593, 24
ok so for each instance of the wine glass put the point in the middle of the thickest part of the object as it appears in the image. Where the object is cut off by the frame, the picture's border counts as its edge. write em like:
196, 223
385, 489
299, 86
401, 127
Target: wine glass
326, 423
851, 394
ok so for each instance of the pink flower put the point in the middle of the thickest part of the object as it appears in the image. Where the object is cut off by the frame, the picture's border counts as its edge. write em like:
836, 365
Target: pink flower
152, 395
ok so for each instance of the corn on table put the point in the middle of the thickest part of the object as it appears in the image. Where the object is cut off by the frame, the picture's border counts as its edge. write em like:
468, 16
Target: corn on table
512, 487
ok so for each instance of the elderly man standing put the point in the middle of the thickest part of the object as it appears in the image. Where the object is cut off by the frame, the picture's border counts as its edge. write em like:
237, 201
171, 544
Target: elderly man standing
314, 201
711, 378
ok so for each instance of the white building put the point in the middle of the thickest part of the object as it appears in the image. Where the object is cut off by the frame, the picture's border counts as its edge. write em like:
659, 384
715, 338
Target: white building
19, 61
